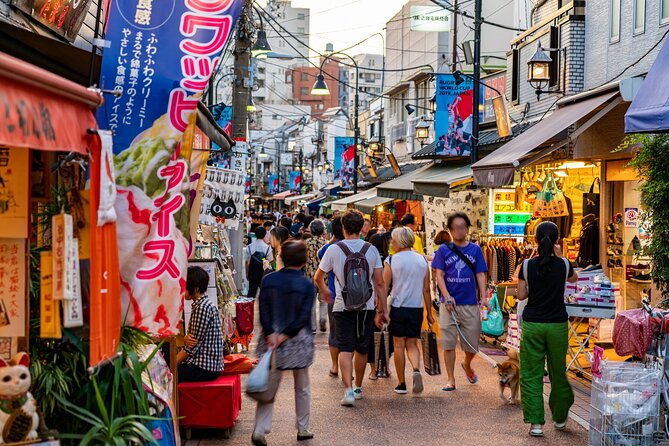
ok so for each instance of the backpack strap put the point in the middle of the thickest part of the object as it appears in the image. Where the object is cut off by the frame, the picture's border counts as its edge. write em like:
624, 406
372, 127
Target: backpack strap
365, 248
341, 245
527, 279
566, 263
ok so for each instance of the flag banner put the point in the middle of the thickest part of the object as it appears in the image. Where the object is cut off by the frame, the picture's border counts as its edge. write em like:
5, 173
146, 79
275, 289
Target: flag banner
453, 118
294, 181
344, 161
273, 185
222, 198
161, 57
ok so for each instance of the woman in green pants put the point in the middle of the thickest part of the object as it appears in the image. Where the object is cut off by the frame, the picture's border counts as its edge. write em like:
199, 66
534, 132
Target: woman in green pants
545, 335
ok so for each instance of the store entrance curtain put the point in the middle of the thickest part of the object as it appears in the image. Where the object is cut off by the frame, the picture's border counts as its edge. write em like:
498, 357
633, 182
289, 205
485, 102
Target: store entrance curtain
161, 57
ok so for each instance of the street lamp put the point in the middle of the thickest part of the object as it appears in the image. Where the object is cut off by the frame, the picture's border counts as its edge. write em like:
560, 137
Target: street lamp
262, 153
433, 103
422, 131
320, 88
261, 45
538, 70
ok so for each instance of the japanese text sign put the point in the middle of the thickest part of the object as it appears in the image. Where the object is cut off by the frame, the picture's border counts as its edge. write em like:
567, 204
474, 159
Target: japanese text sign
12, 287
161, 57
65, 17
14, 186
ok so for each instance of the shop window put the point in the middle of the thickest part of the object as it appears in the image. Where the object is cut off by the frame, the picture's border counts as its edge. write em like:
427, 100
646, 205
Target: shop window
304, 91
614, 21
304, 76
664, 12
639, 16
300, 16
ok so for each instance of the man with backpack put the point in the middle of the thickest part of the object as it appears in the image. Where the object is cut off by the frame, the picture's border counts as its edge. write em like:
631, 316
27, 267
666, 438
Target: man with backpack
360, 290
256, 252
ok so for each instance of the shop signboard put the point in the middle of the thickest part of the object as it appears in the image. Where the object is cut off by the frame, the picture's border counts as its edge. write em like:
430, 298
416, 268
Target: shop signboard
496, 81
294, 181
506, 219
430, 19
453, 117
631, 217
344, 161
64, 17
160, 59
273, 185
13, 287
14, 186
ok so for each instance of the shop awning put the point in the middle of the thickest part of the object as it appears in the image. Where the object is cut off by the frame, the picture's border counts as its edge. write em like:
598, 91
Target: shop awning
42, 110
497, 169
297, 198
438, 180
401, 188
282, 195
649, 111
342, 203
367, 205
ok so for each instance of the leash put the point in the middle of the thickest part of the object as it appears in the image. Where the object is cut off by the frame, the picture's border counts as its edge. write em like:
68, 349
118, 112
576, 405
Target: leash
454, 318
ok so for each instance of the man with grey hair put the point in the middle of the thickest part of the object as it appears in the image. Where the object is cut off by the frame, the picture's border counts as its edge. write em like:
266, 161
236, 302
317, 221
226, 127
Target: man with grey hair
314, 244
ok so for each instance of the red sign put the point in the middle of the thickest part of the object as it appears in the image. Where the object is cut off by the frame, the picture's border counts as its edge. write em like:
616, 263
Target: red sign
65, 17
36, 119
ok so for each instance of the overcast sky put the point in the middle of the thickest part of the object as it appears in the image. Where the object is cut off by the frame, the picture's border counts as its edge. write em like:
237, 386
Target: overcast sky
346, 22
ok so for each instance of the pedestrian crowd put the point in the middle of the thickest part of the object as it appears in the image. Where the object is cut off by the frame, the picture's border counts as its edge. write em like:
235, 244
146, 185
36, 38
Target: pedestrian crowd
312, 273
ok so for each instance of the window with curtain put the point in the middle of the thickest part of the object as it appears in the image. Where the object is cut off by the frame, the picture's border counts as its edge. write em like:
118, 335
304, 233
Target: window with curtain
639, 16
614, 21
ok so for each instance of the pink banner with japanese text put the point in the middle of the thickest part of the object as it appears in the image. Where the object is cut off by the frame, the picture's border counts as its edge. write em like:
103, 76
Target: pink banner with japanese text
159, 63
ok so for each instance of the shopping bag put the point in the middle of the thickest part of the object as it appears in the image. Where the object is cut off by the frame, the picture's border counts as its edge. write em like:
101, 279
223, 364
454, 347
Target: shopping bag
382, 352
244, 310
550, 201
263, 381
430, 352
591, 199
494, 325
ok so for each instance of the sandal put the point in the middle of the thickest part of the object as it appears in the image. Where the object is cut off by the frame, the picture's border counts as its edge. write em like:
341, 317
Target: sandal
373, 377
473, 379
448, 388
333, 374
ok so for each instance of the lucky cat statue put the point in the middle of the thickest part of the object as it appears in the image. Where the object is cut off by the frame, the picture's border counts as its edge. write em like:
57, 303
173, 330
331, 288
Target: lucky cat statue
18, 408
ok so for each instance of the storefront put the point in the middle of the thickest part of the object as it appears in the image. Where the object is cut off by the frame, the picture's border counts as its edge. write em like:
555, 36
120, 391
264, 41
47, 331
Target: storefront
347, 202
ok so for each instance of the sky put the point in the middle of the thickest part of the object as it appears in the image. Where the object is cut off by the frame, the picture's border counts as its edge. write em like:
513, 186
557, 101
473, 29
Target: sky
346, 22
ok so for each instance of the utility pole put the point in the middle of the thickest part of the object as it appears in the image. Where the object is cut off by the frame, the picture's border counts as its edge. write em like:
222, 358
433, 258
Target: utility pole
454, 35
477, 79
240, 97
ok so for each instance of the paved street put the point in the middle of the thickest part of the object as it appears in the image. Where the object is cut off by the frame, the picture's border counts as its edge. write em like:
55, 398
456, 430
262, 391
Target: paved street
473, 415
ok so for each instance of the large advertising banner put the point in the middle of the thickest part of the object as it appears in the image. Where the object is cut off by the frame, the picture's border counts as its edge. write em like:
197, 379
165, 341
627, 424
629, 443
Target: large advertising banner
453, 118
344, 161
161, 57
294, 181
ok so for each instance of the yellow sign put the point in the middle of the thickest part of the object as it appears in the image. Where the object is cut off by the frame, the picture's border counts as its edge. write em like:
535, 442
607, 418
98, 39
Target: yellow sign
14, 187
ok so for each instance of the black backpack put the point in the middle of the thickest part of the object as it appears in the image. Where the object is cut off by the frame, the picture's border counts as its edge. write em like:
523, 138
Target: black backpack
256, 269
357, 289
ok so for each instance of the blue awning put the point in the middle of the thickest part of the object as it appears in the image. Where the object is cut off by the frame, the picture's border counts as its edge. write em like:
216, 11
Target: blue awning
649, 112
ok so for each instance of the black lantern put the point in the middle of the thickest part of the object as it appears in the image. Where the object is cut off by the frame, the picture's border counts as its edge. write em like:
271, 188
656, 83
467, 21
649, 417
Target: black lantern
433, 103
538, 69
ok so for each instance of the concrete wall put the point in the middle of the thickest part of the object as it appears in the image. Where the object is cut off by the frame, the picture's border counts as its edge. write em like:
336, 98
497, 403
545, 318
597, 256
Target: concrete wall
605, 60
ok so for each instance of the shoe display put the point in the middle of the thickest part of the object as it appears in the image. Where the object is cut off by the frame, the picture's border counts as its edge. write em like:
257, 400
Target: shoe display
640, 267
349, 398
304, 435
636, 243
357, 393
401, 389
619, 263
641, 278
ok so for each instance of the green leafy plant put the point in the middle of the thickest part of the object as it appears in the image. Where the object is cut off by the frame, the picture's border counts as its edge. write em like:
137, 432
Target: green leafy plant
121, 410
652, 164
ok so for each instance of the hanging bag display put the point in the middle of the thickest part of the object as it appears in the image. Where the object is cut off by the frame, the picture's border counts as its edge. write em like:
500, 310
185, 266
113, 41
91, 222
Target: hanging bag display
382, 352
591, 199
494, 325
551, 201
430, 349
244, 311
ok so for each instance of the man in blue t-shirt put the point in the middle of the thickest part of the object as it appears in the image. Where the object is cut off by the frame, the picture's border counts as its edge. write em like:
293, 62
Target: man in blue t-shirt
462, 288
337, 235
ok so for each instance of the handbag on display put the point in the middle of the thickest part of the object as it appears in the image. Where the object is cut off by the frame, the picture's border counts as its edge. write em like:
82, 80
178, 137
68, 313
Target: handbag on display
550, 202
494, 325
382, 352
244, 311
431, 363
591, 199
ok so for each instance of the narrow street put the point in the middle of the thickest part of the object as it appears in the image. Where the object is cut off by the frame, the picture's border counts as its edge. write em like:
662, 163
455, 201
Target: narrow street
472, 415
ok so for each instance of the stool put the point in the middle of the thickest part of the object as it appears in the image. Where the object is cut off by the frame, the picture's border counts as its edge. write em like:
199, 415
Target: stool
211, 404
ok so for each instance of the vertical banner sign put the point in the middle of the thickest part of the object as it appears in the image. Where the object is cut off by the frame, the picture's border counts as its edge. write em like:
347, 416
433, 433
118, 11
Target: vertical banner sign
273, 185
453, 118
294, 179
49, 309
12, 287
14, 187
161, 57
222, 198
344, 161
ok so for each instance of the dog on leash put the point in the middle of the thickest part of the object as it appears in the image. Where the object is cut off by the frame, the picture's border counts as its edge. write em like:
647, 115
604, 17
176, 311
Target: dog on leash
509, 376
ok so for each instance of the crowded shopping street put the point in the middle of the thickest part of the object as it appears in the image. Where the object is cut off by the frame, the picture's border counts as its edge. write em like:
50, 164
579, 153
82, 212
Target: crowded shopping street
356, 222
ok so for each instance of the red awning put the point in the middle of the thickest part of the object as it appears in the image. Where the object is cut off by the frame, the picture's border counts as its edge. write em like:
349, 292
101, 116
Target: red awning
40, 110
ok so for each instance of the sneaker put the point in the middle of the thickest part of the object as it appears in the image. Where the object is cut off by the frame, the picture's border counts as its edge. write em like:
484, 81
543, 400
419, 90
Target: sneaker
537, 430
560, 426
304, 435
641, 278
258, 440
357, 393
401, 389
417, 382
348, 399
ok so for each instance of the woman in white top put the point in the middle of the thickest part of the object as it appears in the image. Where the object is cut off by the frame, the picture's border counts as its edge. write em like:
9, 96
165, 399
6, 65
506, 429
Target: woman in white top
407, 270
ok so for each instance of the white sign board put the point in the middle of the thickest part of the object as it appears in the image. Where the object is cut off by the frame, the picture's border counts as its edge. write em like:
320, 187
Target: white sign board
430, 19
